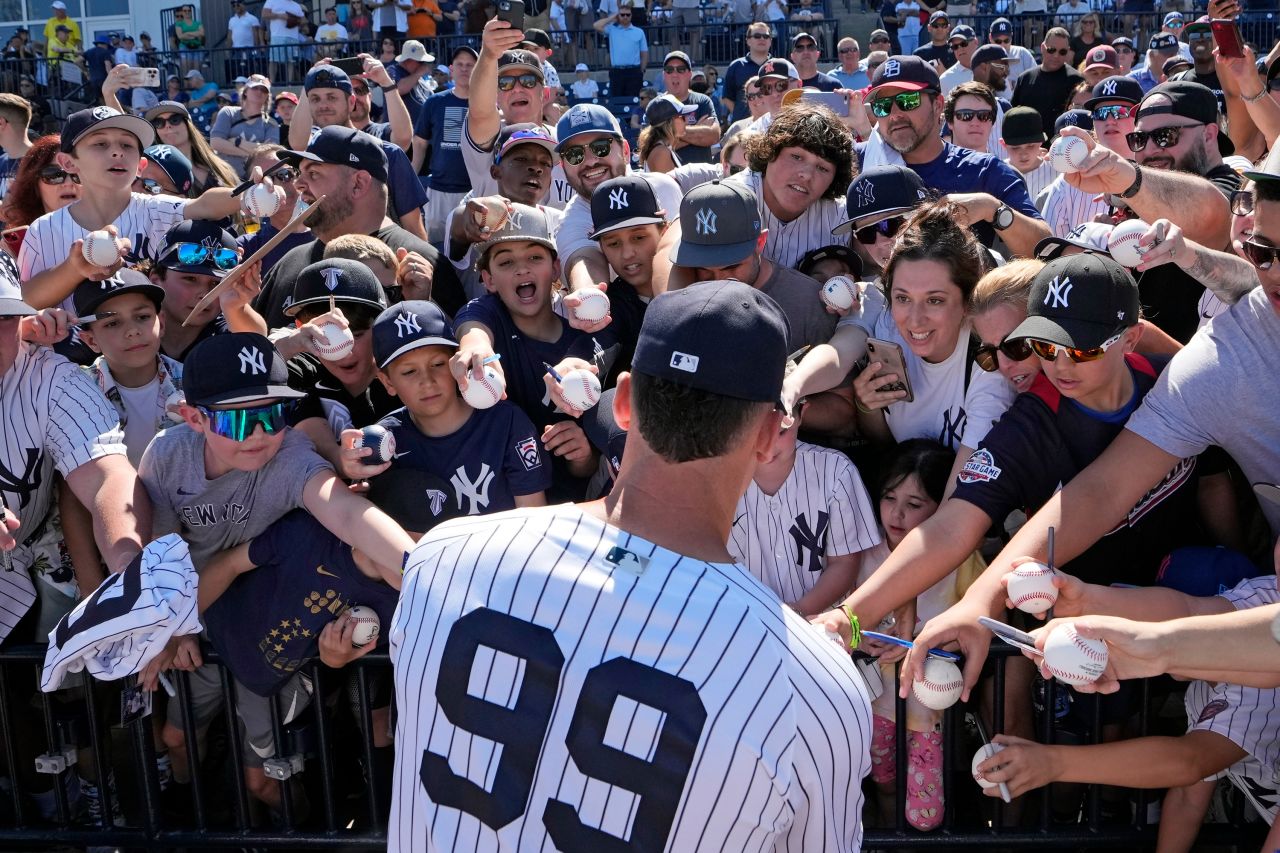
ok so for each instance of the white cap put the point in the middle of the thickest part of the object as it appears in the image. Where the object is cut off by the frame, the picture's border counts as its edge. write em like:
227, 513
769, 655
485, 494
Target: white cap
58, 4
581, 66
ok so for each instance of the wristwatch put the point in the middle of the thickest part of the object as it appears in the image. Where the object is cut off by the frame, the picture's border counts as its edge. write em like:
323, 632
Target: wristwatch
1003, 217
1136, 185
387, 88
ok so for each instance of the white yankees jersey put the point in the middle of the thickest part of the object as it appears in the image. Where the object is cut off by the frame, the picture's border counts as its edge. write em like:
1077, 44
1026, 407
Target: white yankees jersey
1247, 716
478, 161
128, 620
143, 222
565, 685
1064, 207
1037, 180
788, 241
821, 510
52, 418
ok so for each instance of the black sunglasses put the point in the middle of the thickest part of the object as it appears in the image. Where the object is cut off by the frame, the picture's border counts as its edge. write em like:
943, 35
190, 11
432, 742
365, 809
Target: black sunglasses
1058, 51
528, 81
985, 116
1259, 255
887, 228
676, 69
1242, 202
575, 154
173, 120
55, 177
1164, 137
1016, 349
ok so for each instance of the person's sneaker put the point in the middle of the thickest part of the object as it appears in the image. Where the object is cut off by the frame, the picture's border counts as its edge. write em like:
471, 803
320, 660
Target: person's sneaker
91, 802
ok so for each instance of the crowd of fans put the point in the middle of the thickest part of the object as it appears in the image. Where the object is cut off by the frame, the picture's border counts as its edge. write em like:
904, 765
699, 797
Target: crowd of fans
462, 210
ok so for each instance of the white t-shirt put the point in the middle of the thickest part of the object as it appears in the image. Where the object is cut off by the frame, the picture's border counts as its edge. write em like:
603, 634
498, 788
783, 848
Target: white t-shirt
140, 421
954, 76
279, 27
585, 88
331, 32
126, 57
575, 229
788, 242
241, 28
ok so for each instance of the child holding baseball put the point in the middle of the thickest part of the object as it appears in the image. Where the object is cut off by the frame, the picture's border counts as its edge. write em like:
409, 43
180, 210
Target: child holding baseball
490, 459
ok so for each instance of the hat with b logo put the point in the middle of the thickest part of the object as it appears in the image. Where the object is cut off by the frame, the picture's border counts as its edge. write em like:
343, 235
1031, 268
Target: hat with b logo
407, 326
623, 202
1079, 301
237, 367
909, 73
719, 225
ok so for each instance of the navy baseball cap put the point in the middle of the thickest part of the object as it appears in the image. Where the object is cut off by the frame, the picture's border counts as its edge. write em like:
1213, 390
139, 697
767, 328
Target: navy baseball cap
1022, 126
1124, 41
407, 326
238, 367
344, 146
90, 294
1116, 88
173, 163
11, 304
206, 235
905, 72
99, 118
416, 499
939, 15
962, 31
694, 338
585, 118
345, 280
327, 77
666, 107
1205, 571
1163, 42
778, 67
1073, 118
988, 53
1079, 301
1001, 27
827, 253
525, 133
719, 225
879, 193
623, 202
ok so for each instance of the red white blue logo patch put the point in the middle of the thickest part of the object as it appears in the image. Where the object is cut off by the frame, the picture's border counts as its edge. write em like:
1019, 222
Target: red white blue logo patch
981, 468
528, 450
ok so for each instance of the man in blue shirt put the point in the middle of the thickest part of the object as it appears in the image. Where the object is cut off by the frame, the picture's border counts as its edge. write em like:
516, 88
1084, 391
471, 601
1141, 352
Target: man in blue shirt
850, 72
628, 52
804, 55
742, 69
437, 145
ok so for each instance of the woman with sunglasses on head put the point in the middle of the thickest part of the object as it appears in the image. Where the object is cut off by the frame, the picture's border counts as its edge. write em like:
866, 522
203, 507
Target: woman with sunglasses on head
40, 187
173, 126
264, 158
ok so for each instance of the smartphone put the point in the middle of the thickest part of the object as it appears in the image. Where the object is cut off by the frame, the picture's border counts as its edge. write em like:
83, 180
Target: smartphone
1011, 635
350, 64
143, 77
1226, 33
891, 360
833, 101
512, 11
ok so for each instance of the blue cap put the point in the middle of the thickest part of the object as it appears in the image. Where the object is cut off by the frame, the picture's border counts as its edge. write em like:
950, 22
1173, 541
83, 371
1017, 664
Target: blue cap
327, 77
1073, 118
988, 53
585, 118
236, 367
173, 163
407, 326
344, 146
1204, 572
880, 192
1001, 27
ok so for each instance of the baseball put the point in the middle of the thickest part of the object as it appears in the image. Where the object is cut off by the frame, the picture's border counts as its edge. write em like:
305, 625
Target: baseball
941, 686
593, 305
1067, 153
367, 625
494, 215
839, 292
261, 200
1031, 588
483, 393
1072, 658
1122, 242
338, 342
581, 388
172, 406
382, 442
985, 752
100, 249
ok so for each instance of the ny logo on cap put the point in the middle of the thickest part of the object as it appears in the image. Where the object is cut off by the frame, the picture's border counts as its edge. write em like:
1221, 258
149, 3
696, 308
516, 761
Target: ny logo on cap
100, 113
515, 221
618, 199
252, 361
892, 68
407, 324
1109, 87
211, 243
684, 361
1059, 291
332, 278
866, 194
706, 223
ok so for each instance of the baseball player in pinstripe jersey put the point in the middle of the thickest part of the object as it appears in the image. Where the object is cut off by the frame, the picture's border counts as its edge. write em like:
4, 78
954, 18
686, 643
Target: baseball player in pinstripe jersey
597, 676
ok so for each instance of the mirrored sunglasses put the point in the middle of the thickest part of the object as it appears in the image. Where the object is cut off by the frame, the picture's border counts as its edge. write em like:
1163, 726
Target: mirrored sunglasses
239, 424
1113, 112
1164, 137
528, 81
193, 254
1242, 202
1049, 351
55, 177
906, 101
1261, 256
985, 116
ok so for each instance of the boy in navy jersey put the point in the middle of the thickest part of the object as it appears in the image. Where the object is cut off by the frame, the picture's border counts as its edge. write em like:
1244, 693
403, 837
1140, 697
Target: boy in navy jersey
491, 458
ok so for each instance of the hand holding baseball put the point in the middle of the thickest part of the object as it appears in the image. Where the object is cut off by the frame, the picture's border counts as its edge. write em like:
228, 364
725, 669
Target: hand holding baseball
1102, 171
572, 305
1072, 593
956, 629
259, 180
87, 256
352, 462
1134, 649
564, 402
336, 648
1022, 765
1164, 243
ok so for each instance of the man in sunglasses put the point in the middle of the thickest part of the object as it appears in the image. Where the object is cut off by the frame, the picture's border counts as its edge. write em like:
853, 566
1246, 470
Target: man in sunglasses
1204, 65
938, 50
964, 43
759, 42
628, 51
702, 130
1021, 59
776, 78
851, 73
804, 55
1049, 85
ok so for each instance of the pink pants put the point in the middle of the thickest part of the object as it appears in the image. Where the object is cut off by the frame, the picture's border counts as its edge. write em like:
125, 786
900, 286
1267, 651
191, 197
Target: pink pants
924, 771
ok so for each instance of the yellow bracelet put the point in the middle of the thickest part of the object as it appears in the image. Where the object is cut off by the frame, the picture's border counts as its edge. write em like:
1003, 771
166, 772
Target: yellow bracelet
855, 629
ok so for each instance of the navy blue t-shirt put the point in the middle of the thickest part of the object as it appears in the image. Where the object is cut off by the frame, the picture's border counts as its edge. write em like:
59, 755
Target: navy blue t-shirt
440, 123
417, 95
495, 456
379, 129
736, 76
821, 81
268, 622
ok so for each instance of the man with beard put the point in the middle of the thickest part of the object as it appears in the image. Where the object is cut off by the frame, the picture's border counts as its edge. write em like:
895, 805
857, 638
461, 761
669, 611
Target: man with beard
350, 169
908, 106
964, 44
1048, 86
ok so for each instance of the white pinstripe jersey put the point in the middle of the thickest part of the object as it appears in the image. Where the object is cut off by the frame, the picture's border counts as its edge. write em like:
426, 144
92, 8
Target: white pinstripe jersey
788, 241
565, 685
52, 417
1247, 716
821, 510
1064, 207
143, 222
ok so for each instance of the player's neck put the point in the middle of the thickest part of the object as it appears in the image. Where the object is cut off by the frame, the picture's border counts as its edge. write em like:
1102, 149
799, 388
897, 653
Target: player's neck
99, 207
17, 147
176, 338
770, 475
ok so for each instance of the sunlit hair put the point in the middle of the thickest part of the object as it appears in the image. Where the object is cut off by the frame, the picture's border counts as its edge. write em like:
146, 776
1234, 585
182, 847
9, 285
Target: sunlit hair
934, 233
1006, 285
813, 128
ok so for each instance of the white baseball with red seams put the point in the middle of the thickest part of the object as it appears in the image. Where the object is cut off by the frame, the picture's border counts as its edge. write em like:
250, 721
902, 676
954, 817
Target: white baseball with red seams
494, 215
172, 404
593, 305
381, 440
367, 626
1072, 658
581, 388
261, 200
941, 686
839, 292
486, 392
1030, 587
987, 750
100, 249
337, 344
1122, 242
1067, 153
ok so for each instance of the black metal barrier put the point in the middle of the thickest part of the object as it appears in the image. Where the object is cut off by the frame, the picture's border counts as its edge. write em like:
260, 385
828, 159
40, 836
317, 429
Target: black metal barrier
220, 819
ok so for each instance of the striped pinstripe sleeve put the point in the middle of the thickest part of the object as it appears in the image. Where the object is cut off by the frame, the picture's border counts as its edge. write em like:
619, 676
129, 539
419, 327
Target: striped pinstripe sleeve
853, 522
82, 425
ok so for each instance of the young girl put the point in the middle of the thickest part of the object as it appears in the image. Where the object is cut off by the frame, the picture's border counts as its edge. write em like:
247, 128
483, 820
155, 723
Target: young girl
910, 491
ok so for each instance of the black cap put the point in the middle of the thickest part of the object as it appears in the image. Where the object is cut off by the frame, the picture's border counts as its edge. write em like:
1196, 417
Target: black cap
1073, 118
796, 38
1079, 301
623, 202
988, 53
962, 31
905, 72
237, 367
1022, 126
1163, 42
407, 326
345, 280
778, 67
1115, 88
202, 232
1174, 64
416, 499
98, 118
719, 225
666, 107
521, 59
1183, 98
695, 337
538, 37
1001, 27
881, 192
327, 77
90, 294
464, 48
832, 252
1123, 40
345, 146
173, 163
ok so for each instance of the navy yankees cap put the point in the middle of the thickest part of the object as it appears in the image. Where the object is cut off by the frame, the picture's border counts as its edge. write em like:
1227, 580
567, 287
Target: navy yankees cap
988, 53
11, 304
879, 193
407, 326
1163, 42
173, 163
90, 294
1022, 125
344, 146
1079, 301
1001, 27
1082, 119
694, 337
585, 118
416, 499
827, 253
1116, 88
910, 73
520, 59
719, 225
962, 31
1123, 41
327, 77
623, 202
238, 367
345, 280
99, 118
210, 241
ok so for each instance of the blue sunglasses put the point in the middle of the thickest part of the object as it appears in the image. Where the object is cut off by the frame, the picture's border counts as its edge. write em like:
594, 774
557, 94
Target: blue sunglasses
239, 424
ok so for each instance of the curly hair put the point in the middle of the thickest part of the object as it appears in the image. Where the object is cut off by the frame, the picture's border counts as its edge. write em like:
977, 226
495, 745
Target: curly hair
22, 204
813, 128
934, 233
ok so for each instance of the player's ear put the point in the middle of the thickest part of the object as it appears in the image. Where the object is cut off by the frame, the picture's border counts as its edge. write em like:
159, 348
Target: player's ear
86, 335
555, 268
768, 435
488, 285
622, 403
66, 163
386, 381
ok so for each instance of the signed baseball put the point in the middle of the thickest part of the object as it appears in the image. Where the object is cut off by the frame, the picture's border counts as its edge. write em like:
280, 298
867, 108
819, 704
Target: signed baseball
942, 684
367, 626
986, 751
1072, 658
1031, 588
337, 344
486, 392
382, 442
1122, 242
593, 305
1068, 153
494, 215
581, 388
100, 249
172, 406
261, 200
839, 292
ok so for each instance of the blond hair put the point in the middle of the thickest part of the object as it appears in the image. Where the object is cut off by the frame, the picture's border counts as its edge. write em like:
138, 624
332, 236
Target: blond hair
1006, 285
360, 247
